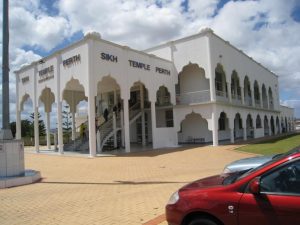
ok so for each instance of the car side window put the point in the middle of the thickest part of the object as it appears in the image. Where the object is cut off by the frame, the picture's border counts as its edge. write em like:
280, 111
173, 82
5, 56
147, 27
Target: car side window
285, 180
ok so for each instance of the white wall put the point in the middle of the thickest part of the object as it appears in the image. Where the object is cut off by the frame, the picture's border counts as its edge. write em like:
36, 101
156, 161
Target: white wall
192, 78
165, 137
234, 59
194, 127
259, 132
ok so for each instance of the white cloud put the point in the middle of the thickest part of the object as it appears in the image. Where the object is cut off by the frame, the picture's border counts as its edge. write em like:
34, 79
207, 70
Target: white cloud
263, 29
294, 103
37, 30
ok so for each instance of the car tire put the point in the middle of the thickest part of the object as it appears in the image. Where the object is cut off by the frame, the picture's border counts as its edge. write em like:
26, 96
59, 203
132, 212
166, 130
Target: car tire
202, 221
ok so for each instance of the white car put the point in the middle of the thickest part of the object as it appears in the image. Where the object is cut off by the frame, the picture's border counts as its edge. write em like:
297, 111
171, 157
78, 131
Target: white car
247, 163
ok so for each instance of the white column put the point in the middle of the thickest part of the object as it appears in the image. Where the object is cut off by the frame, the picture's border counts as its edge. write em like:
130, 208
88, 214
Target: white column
261, 101
91, 99
115, 129
73, 127
126, 126
36, 129
211, 70
143, 116
48, 130
59, 128
244, 129
153, 122
270, 130
245, 133
122, 128
280, 128
59, 108
231, 135
242, 96
252, 96
215, 132
18, 112
229, 91
92, 125
18, 123
212, 89
98, 141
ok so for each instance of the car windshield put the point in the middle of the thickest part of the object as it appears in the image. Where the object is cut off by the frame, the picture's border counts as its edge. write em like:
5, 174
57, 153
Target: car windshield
240, 175
231, 178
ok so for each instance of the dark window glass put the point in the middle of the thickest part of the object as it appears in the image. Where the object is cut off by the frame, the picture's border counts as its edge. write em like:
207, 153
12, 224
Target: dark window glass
285, 179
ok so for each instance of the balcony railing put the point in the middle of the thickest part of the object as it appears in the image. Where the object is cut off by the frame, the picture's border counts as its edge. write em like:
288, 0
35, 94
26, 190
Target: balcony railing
257, 103
237, 99
193, 97
248, 101
221, 96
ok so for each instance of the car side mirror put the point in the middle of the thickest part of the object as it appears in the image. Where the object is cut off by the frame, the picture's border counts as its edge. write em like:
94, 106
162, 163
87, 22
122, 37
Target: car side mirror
254, 186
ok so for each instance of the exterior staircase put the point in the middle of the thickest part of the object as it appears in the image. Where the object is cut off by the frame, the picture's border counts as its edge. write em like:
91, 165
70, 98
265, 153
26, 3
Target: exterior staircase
79, 144
106, 133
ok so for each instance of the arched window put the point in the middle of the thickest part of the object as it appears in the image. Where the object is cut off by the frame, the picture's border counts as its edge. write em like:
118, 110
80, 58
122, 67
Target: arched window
222, 121
258, 122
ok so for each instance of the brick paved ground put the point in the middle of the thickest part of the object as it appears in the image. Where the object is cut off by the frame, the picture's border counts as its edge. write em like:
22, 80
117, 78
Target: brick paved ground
129, 189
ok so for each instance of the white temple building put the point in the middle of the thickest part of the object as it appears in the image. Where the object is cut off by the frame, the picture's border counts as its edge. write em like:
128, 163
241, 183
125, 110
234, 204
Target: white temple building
198, 89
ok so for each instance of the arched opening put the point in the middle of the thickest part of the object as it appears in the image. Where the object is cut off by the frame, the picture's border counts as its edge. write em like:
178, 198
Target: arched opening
75, 137
108, 97
258, 122
289, 126
109, 111
238, 127
264, 96
235, 88
194, 130
140, 115
249, 127
271, 100
192, 85
164, 108
266, 126
277, 125
223, 122
247, 92
283, 127
272, 125
27, 120
256, 94
220, 83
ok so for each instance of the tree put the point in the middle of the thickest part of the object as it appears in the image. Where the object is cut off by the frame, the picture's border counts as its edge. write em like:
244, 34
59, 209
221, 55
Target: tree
42, 130
27, 128
67, 121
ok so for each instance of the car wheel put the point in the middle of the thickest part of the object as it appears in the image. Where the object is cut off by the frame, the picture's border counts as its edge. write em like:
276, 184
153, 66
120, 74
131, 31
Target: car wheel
202, 221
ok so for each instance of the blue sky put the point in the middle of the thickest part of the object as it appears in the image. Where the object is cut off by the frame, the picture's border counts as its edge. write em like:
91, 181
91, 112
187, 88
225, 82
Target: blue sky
267, 30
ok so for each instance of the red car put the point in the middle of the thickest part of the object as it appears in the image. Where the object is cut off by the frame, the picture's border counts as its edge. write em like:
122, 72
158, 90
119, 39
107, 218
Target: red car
266, 195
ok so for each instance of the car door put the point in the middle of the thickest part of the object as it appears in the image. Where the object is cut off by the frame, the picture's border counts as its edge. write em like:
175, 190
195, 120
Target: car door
279, 200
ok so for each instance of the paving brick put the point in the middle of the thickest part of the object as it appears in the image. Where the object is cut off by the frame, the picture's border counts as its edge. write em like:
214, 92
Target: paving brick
128, 189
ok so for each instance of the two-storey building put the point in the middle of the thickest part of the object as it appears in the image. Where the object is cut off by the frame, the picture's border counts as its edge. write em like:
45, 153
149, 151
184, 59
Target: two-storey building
198, 89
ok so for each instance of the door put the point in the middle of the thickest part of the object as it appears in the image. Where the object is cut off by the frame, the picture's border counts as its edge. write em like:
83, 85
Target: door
279, 200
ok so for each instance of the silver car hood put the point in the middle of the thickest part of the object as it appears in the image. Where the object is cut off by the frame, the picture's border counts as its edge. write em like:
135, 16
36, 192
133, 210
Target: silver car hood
247, 163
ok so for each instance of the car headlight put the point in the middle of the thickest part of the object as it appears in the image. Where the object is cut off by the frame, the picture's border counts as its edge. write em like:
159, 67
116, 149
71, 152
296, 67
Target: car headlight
226, 170
174, 198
